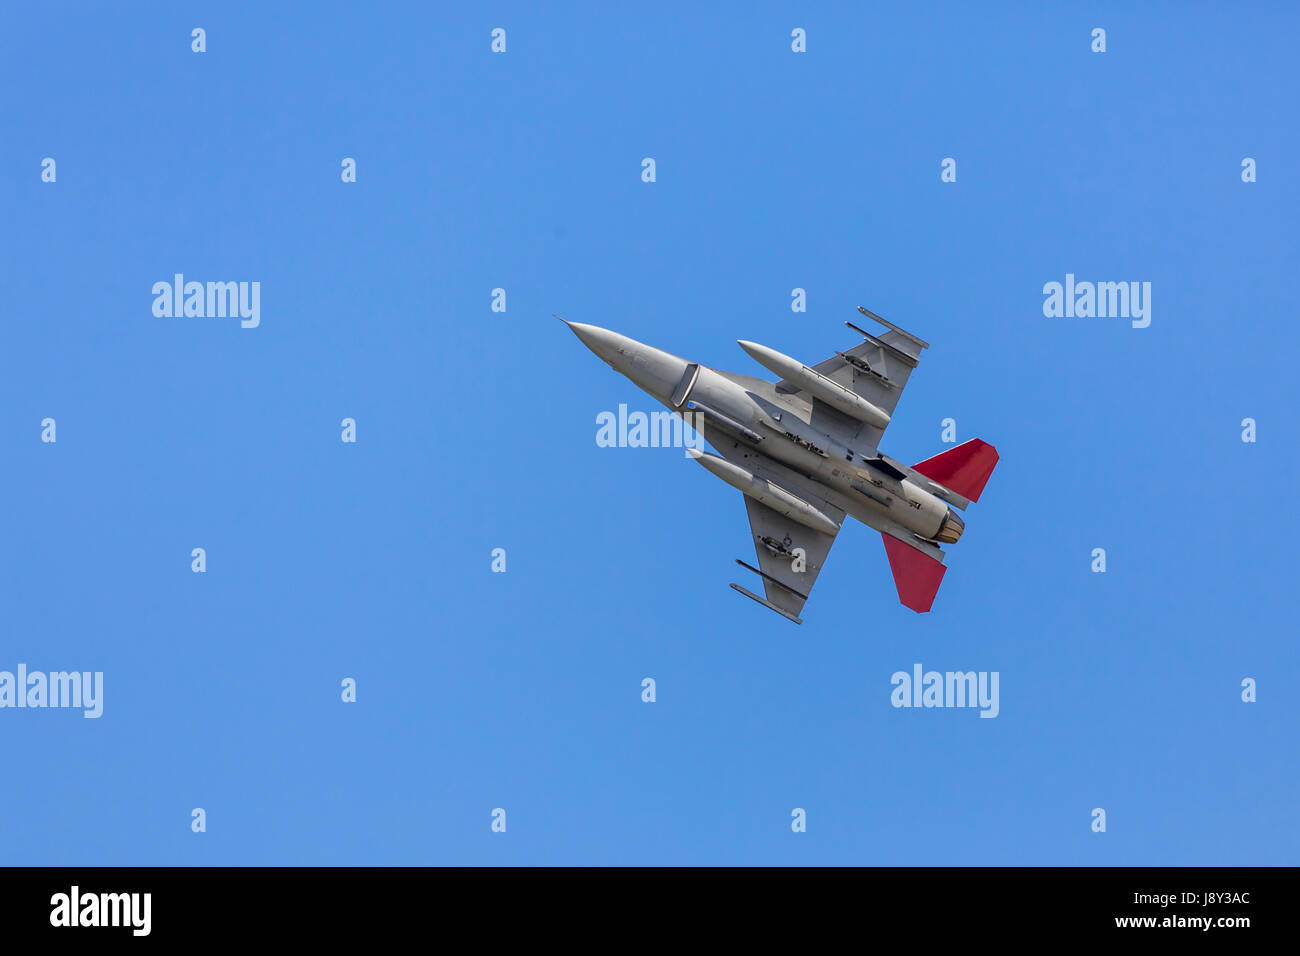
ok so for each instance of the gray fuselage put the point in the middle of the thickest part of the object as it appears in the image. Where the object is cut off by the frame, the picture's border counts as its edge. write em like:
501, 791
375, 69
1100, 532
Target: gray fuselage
774, 429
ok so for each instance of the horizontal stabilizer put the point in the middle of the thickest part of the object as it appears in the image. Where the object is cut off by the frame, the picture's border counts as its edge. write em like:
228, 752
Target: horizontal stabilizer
964, 469
916, 575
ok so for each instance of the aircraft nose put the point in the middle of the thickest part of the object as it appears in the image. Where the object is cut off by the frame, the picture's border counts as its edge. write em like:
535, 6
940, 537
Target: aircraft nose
601, 341
653, 370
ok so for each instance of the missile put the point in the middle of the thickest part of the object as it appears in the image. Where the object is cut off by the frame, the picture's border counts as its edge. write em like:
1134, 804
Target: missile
814, 383
764, 492
717, 418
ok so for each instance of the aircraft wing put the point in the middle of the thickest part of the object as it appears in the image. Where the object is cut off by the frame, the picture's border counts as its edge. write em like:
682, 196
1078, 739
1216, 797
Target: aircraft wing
877, 370
790, 554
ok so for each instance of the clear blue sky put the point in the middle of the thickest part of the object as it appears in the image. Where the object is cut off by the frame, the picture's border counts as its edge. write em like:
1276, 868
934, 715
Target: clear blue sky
476, 430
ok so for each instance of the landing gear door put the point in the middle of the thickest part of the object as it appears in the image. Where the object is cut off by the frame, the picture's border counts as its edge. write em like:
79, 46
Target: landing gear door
683, 389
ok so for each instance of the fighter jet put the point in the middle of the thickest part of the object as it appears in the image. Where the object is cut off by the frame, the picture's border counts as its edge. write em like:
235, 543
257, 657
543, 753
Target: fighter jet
803, 452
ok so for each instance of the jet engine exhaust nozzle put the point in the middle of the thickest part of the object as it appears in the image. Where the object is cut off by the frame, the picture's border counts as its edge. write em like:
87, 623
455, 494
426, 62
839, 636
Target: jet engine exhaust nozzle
951, 528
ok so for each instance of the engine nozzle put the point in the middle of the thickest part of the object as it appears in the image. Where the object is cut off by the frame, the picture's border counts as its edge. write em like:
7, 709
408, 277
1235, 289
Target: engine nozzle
951, 528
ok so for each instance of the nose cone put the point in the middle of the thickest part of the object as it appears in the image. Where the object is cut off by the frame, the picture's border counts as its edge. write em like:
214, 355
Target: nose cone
654, 370
603, 342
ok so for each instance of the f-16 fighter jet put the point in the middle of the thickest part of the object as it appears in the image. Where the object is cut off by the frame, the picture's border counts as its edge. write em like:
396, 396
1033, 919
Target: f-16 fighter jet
803, 451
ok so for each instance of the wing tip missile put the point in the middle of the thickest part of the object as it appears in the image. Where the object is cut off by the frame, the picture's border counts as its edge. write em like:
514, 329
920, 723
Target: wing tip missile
767, 604
916, 339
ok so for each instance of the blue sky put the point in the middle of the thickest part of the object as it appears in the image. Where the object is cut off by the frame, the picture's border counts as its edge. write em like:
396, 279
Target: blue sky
476, 430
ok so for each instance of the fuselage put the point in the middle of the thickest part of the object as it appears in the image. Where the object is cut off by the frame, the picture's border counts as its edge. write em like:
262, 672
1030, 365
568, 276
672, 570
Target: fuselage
774, 429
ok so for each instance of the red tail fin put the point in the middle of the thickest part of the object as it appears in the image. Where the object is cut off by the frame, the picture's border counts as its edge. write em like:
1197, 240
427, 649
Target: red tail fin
965, 469
916, 575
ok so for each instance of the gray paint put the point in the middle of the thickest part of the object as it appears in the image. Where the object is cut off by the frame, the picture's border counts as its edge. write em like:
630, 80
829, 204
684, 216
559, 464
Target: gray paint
799, 449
